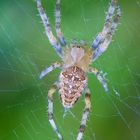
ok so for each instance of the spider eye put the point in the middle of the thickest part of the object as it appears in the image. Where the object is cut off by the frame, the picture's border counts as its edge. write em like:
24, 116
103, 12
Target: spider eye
78, 46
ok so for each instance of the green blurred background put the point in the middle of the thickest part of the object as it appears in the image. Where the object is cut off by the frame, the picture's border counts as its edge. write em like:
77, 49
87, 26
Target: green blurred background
25, 52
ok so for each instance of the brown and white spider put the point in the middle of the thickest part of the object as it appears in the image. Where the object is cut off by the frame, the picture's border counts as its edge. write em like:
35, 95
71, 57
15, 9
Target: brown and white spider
75, 63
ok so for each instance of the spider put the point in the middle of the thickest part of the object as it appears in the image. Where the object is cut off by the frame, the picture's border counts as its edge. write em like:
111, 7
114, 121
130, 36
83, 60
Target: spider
76, 60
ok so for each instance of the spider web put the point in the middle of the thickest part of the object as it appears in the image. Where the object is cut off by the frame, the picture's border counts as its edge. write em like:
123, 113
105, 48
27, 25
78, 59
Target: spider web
25, 52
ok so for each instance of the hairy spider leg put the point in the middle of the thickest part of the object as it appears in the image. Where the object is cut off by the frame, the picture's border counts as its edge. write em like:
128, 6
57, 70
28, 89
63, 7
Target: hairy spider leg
106, 27
108, 37
99, 77
85, 115
50, 110
116, 20
48, 30
49, 69
57, 24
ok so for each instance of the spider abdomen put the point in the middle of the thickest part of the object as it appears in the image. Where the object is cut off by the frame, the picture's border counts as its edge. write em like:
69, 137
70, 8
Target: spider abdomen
72, 83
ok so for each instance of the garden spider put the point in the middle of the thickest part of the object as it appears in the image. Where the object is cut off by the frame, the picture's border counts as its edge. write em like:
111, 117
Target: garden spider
75, 63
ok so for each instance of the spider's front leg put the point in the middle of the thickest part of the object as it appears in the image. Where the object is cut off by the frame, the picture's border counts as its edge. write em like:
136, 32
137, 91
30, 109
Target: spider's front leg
49, 69
57, 24
50, 110
48, 30
85, 115
103, 39
106, 27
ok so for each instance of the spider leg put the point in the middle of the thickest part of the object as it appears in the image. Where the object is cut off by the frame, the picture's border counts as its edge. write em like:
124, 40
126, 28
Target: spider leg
85, 115
50, 109
48, 30
57, 24
103, 39
108, 37
108, 19
49, 69
99, 77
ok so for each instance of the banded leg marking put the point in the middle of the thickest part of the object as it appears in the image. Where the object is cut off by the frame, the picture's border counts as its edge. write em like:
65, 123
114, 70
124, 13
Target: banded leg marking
49, 69
100, 78
85, 115
48, 30
103, 39
57, 24
50, 110
106, 27
108, 36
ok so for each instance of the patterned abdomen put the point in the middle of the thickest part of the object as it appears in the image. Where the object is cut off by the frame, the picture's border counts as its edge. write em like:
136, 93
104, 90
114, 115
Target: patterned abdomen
72, 83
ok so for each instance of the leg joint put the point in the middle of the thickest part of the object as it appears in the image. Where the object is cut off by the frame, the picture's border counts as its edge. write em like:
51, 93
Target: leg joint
82, 128
50, 115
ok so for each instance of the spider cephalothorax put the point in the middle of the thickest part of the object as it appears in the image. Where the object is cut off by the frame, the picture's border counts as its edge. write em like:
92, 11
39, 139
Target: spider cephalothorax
75, 64
81, 56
